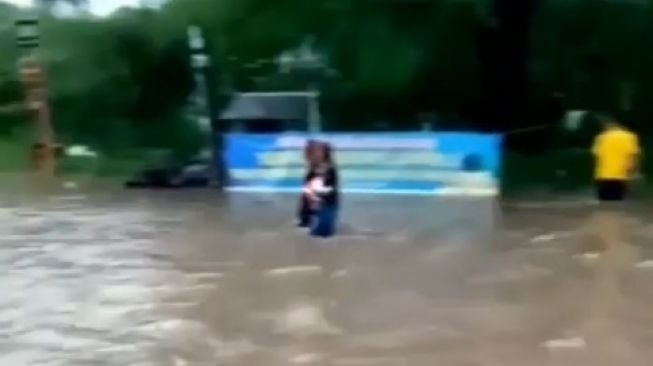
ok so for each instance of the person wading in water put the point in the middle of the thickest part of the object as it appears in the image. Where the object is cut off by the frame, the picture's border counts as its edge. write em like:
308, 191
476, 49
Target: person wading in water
305, 211
617, 153
322, 191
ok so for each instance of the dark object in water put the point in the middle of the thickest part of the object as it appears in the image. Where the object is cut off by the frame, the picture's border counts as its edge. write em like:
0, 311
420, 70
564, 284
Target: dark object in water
305, 213
195, 174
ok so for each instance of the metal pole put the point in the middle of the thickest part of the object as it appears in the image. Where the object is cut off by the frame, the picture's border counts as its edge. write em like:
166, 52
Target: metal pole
203, 99
314, 115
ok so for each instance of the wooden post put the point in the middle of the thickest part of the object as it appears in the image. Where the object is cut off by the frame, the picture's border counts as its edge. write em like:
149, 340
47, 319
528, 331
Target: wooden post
44, 150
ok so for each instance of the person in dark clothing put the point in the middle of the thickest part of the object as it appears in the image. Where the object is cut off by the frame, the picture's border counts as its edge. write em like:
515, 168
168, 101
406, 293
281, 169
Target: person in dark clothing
305, 211
322, 191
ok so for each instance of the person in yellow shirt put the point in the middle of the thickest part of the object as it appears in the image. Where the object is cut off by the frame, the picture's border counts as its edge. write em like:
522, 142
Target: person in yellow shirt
616, 151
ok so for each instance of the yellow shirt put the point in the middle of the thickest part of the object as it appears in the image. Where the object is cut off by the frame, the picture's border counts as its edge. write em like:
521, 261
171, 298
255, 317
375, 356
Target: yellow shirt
616, 151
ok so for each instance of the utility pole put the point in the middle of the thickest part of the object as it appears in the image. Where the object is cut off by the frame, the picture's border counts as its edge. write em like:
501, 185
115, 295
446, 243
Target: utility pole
35, 88
204, 102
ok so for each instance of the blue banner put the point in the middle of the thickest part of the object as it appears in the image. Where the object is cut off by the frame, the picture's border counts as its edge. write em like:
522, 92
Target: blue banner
377, 163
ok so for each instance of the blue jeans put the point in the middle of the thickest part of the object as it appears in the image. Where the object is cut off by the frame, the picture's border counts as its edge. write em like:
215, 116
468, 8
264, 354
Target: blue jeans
324, 222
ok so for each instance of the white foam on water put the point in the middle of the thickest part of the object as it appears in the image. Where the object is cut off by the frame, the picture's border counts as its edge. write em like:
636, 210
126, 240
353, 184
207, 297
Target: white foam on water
207, 276
216, 265
125, 293
575, 343
79, 285
305, 320
645, 265
546, 238
293, 270
177, 327
20, 358
340, 273
52, 339
192, 290
9, 315
370, 361
83, 255
590, 256
122, 348
307, 359
543, 238
105, 317
180, 362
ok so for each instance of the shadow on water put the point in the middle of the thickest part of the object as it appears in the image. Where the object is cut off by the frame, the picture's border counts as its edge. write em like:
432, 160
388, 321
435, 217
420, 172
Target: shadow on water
170, 278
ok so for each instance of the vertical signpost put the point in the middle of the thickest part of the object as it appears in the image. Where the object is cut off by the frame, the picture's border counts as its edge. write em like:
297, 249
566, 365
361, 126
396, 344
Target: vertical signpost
203, 99
35, 89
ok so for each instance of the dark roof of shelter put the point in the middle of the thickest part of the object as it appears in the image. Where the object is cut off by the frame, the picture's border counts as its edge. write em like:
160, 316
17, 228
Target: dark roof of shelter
266, 106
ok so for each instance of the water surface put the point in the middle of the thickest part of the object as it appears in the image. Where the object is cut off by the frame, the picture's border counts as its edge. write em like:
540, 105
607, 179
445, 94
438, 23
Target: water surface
107, 277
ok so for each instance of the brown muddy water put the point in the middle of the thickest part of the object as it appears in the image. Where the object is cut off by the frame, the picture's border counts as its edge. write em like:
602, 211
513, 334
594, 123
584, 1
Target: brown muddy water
115, 278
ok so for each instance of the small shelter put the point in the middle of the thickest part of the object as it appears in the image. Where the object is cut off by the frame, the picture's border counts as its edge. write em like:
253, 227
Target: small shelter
270, 112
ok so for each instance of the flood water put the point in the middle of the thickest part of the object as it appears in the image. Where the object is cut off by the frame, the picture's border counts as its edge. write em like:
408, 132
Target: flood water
107, 277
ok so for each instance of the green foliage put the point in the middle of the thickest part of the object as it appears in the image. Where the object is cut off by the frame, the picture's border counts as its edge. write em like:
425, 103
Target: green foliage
392, 59
116, 82
125, 79
598, 54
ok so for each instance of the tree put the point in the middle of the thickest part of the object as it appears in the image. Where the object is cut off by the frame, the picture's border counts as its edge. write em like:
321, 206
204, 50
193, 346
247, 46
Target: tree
427, 47
50, 3
493, 64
